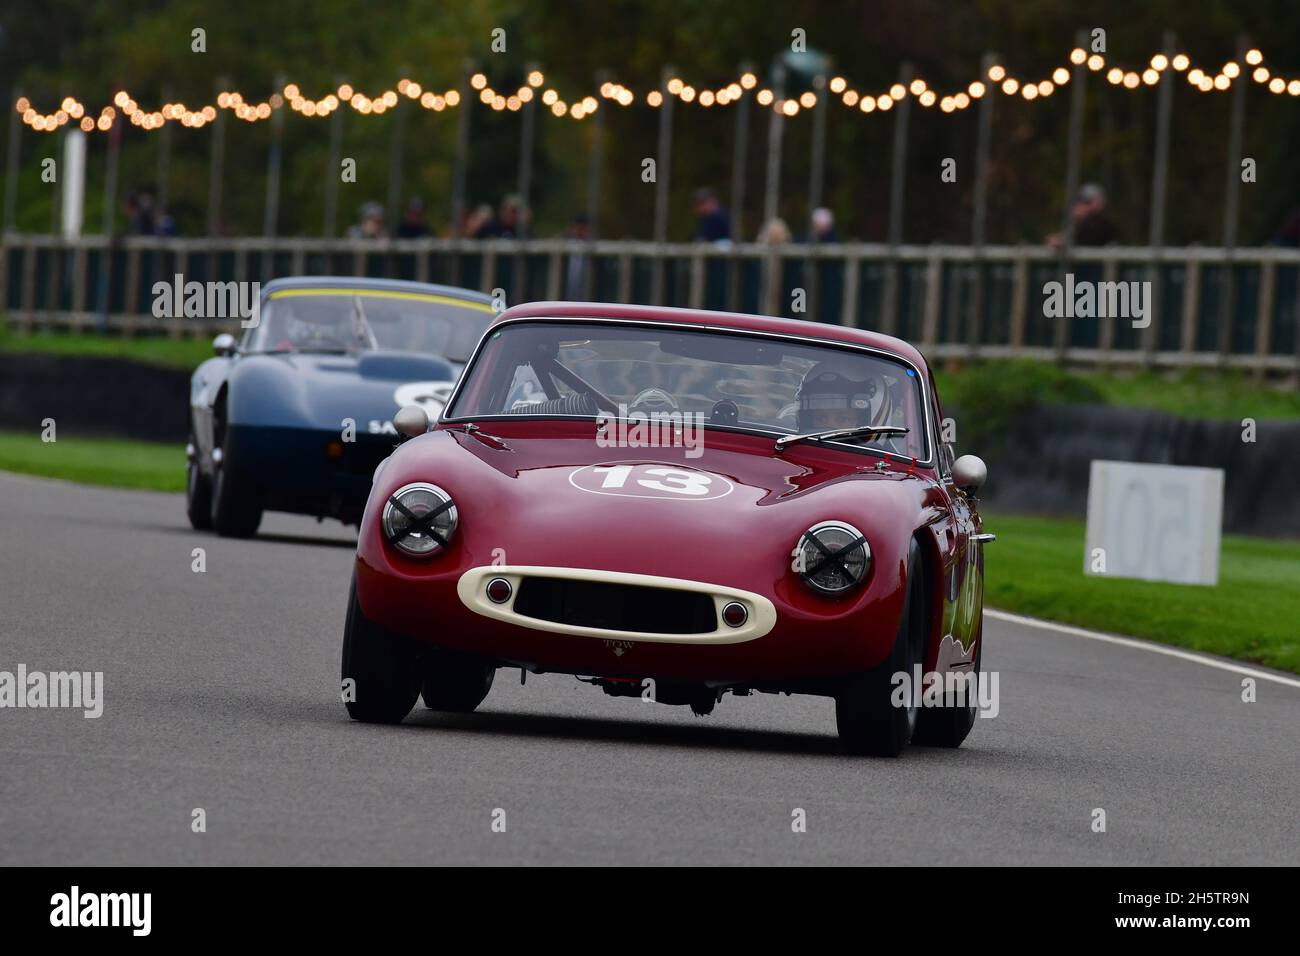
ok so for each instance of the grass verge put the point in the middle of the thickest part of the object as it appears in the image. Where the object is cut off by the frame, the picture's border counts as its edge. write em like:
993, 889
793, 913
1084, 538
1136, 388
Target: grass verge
1036, 568
1005, 388
153, 349
96, 461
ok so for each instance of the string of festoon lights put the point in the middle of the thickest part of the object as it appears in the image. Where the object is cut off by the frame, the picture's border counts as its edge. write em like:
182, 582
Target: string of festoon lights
997, 77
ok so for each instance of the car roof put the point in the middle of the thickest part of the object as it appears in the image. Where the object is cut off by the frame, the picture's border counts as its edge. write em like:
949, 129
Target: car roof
386, 285
731, 320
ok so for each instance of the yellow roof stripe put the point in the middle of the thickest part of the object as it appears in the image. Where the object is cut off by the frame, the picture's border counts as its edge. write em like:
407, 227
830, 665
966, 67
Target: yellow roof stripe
385, 294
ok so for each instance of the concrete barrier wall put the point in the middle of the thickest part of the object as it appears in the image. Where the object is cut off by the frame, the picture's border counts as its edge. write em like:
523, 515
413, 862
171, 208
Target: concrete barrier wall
1043, 464
94, 396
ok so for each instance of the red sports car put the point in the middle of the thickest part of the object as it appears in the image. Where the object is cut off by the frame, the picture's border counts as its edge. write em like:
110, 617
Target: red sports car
677, 504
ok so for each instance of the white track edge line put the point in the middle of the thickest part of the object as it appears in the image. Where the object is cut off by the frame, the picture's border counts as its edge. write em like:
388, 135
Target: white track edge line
1141, 645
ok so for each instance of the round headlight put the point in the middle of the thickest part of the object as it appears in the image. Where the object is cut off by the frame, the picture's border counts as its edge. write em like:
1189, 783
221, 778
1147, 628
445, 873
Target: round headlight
419, 519
833, 557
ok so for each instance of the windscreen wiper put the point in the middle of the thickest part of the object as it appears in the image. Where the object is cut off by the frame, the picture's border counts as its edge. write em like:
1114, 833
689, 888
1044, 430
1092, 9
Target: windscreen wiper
833, 434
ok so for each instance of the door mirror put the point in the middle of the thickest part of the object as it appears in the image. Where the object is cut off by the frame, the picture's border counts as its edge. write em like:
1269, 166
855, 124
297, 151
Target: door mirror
411, 421
969, 474
224, 344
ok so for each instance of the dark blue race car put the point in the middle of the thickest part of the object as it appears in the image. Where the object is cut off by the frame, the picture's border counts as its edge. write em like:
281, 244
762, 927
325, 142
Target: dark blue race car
297, 415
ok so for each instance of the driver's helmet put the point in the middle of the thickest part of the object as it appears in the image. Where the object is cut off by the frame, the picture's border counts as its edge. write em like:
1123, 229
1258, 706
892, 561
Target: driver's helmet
838, 393
321, 330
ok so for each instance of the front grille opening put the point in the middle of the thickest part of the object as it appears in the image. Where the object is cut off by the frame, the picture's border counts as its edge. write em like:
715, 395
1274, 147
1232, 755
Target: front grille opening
616, 607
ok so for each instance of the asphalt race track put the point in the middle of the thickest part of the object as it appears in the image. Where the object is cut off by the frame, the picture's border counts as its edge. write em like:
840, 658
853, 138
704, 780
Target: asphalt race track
222, 692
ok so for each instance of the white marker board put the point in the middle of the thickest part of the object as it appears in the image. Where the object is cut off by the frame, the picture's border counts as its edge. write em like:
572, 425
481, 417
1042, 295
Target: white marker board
1154, 522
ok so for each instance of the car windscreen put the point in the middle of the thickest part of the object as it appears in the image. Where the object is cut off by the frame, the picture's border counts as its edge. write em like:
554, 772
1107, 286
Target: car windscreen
349, 320
727, 379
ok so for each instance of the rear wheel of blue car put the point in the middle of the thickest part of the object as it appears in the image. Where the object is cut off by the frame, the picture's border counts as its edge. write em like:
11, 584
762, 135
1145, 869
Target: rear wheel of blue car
198, 494
236, 506
869, 719
381, 670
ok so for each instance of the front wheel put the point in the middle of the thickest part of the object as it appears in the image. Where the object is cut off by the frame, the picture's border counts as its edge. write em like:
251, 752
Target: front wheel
381, 670
456, 682
870, 719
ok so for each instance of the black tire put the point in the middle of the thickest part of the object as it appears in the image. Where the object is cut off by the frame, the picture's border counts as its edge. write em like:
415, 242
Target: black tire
456, 682
198, 494
236, 506
947, 726
865, 715
384, 669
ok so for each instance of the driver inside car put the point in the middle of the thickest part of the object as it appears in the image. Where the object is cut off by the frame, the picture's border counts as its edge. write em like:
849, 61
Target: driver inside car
321, 331
842, 393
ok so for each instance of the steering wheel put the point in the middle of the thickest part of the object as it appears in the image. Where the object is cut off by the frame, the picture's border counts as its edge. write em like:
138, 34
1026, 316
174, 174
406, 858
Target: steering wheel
724, 412
652, 400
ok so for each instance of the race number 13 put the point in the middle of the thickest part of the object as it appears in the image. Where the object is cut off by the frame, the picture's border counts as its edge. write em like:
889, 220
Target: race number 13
649, 480
677, 480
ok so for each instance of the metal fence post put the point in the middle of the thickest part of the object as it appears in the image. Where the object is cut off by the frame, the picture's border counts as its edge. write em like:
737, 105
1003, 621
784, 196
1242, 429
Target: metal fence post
1159, 183
979, 215
462, 151
11, 166
594, 163
334, 172
1232, 175
663, 175
775, 129
274, 159
739, 164
216, 170
816, 176
114, 147
897, 189
1061, 328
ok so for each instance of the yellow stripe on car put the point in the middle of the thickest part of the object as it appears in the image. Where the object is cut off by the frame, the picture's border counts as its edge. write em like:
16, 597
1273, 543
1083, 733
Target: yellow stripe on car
382, 294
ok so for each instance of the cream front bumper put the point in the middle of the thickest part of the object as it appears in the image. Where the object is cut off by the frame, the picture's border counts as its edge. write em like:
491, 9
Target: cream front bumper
472, 590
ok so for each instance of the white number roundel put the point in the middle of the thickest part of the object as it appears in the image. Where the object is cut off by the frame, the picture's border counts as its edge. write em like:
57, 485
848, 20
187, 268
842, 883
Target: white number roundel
649, 480
431, 396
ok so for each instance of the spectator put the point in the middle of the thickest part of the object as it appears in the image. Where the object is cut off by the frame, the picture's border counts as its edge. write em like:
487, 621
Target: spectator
510, 224
774, 232
1288, 233
575, 276
413, 224
1093, 225
140, 214
371, 225
712, 224
823, 226
166, 223
579, 229
479, 223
